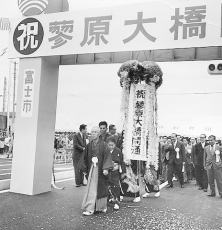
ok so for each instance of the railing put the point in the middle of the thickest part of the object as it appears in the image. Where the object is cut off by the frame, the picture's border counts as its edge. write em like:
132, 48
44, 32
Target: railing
63, 155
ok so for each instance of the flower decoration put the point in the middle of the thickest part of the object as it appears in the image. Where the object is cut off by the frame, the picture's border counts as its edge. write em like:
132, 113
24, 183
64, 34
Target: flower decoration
134, 72
152, 73
139, 82
94, 161
217, 152
130, 72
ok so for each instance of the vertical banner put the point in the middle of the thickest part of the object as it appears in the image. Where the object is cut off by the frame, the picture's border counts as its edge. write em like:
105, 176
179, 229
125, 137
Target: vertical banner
28, 93
139, 82
138, 147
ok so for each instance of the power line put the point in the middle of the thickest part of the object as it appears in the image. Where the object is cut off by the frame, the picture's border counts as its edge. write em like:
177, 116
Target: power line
193, 93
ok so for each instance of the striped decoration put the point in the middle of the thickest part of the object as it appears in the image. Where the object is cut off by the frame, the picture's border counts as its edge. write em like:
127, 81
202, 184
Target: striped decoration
5, 24
32, 7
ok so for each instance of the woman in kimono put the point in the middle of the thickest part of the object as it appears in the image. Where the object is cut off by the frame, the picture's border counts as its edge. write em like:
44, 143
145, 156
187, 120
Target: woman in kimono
96, 161
116, 173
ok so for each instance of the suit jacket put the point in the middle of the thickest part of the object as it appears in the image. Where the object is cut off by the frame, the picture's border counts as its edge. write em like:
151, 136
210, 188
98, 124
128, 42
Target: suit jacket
79, 144
173, 153
163, 150
210, 157
104, 137
198, 154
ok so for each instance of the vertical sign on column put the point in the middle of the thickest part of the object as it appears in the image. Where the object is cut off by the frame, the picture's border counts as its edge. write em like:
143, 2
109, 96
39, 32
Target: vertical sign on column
28, 92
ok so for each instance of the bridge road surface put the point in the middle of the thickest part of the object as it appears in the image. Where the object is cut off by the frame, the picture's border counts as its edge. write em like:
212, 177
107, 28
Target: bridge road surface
175, 209
61, 171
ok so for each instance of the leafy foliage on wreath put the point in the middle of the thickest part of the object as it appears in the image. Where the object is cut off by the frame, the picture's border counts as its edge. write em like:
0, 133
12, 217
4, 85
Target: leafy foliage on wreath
135, 72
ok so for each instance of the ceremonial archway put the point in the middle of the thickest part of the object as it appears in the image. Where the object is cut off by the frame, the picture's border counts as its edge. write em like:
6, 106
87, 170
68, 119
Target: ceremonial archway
107, 36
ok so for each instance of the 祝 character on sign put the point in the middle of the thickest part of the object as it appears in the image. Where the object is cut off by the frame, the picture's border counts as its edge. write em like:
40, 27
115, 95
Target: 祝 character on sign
28, 36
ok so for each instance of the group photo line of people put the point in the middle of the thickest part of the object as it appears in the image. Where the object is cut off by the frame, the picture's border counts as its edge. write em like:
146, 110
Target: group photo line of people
98, 159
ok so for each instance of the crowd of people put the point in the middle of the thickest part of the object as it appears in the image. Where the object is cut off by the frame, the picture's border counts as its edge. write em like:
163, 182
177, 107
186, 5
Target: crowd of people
99, 158
6, 143
191, 158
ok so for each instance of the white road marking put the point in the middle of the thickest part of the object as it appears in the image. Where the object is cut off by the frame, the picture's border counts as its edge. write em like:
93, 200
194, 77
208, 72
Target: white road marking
5, 165
59, 181
60, 169
5, 174
4, 191
62, 164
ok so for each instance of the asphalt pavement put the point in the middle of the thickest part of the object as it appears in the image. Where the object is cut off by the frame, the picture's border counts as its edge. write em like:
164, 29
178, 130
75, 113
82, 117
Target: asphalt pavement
62, 171
176, 208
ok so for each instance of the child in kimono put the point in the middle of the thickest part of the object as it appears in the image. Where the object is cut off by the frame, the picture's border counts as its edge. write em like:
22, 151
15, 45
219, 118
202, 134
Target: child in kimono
116, 173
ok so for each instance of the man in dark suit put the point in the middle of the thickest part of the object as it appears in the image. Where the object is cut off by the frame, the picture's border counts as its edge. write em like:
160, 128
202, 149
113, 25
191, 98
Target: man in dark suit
175, 154
164, 157
104, 135
213, 165
79, 145
113, 133
198, 161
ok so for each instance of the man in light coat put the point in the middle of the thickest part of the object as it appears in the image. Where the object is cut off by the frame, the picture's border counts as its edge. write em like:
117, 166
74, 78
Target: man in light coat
213, 165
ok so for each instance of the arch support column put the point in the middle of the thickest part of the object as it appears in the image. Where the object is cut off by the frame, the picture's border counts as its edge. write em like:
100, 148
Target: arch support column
35, 125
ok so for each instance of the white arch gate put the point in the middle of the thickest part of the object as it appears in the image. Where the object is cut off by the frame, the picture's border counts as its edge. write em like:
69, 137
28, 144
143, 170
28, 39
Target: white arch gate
159, 31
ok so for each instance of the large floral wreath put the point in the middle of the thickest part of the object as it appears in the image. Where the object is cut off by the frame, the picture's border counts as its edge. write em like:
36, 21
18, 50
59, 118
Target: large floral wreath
135, 72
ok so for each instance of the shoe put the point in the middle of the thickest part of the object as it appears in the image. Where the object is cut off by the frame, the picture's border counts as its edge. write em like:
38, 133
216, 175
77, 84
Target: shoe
84, 184
111, 200
87, 213
170, 186
205, 190
157, 194
137, 199
116, 207
121, 198
200, 188
104, 210
78, 185
146, 195
211, 195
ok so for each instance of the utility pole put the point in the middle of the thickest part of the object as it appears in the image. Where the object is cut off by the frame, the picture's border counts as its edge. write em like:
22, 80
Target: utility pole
4, 95
14, 84
8, 97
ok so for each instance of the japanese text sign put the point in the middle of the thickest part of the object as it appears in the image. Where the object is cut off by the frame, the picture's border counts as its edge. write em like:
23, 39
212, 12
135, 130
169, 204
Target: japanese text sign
138, 149
28, 93
143, 26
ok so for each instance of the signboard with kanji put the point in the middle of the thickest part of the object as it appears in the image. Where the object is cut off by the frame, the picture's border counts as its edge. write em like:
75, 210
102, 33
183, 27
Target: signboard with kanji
28, 93
150, 25
138, 150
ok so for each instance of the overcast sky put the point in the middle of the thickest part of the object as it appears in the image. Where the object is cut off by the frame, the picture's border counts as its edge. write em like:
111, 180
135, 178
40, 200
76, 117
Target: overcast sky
90, 93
